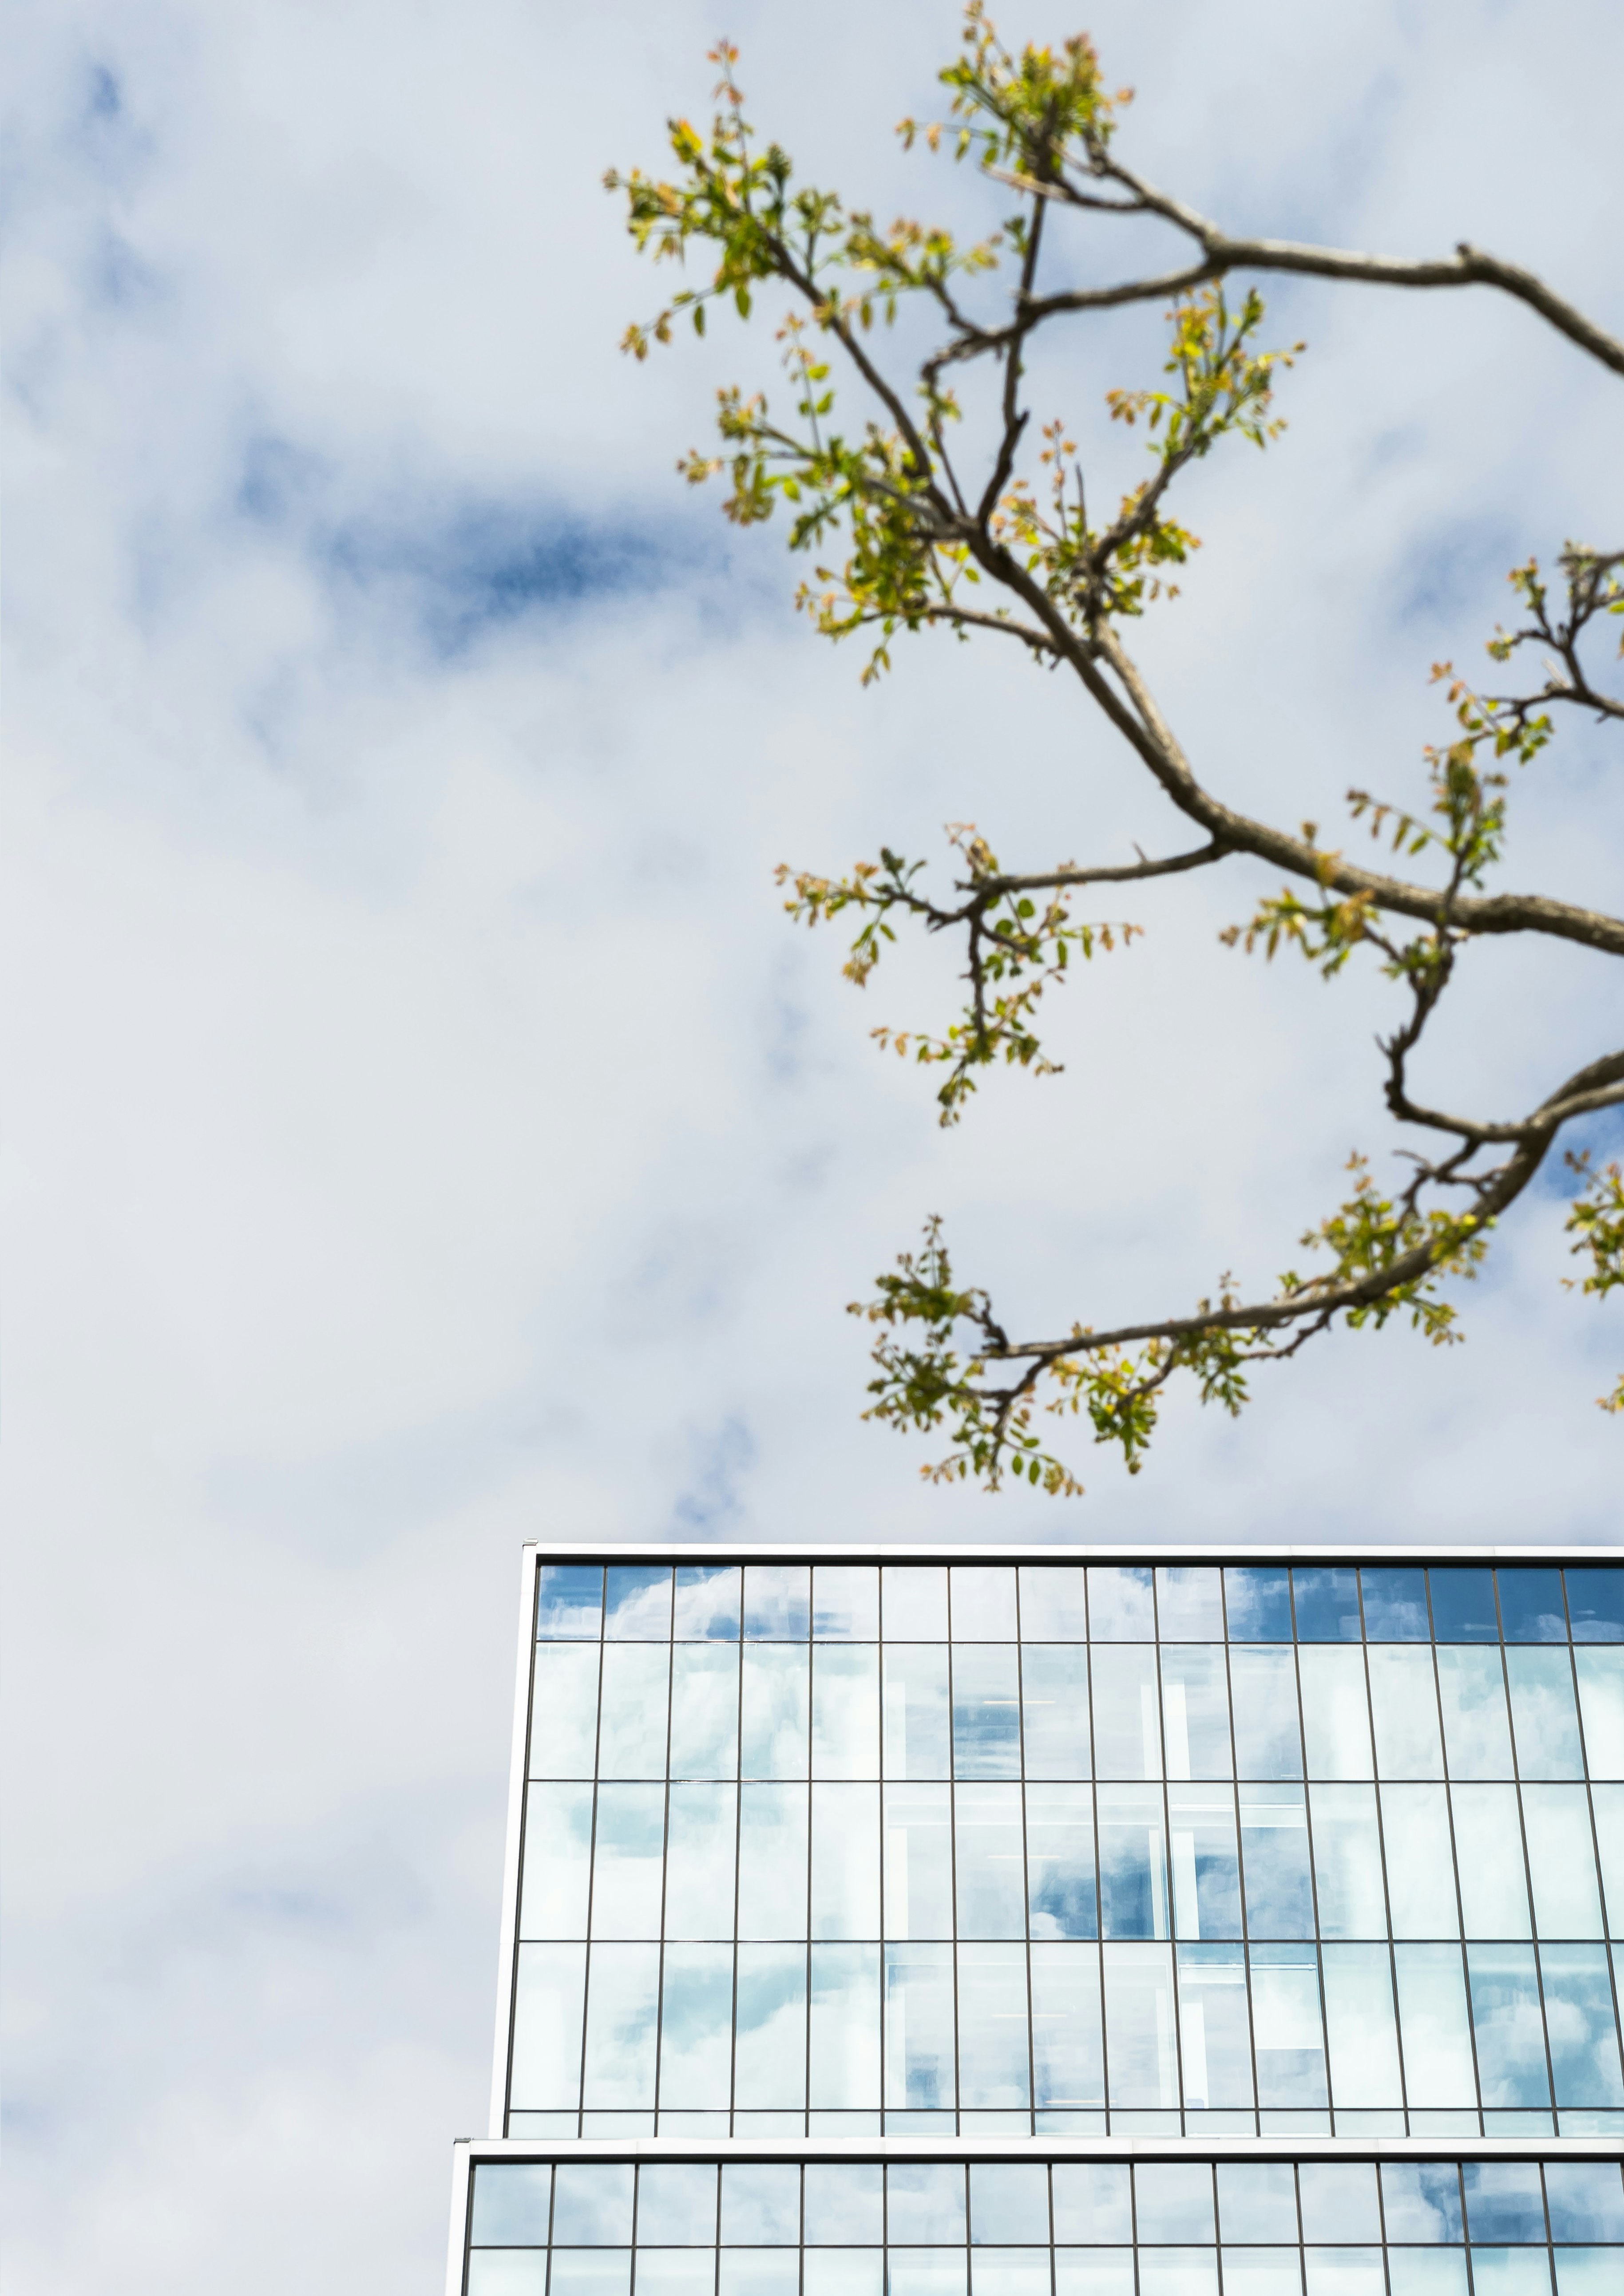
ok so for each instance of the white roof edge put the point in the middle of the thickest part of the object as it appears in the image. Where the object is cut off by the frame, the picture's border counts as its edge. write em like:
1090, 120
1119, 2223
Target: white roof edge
1214, 1551
1041, 2148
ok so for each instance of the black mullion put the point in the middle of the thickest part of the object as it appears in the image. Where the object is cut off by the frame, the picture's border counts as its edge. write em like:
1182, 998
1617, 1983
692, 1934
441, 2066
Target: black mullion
1167, 1859
1460, 1902
1595, 1851
1048, 2195
1094, 1809
1026, 1879
1376, 1784
952, 1845
552, 2206
1307, 1820
592, 1871
665, 1862
1527, 1882
738, 1856
883, 1772
806, 2081
1240, 1854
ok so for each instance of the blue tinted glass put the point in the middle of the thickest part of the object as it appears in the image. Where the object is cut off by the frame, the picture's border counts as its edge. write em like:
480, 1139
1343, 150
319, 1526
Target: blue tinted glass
1174, 2200
1260, 1605
637, 1603
592, 2204
1587, 2200
1396, 1606
925, 2201
676, 2204
778, 1601
707, 1601
1338, 2200
845, 2203
511, 2199
1257, 2201
1463, 1605
1327, 1606
1421, 2200
761, 2203
1092, 2201
1009, 2202
1530, 1606
569, 1600
1596, 1604
1189, 1605
1503, 2201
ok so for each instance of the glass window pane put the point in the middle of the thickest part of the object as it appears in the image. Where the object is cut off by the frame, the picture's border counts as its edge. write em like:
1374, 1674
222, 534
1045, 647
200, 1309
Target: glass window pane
1335, 1716
1141, 2048
919, 2073
1263, 1688
926, 2271
637, 1603
1506, 2021
759, 2272
635, 1699
1257, 2201
844, 2066
1214, 2030
569, 1599
676, 2204
1205, 1861
547, 2005
1404, 1701
986, 1711
914, 1603
770, 2044
564, 1711
1121, 1605
773, 1861
1586, 2199
1054, 1710
1531, 1606
1326, 1602
1601, 1698
1477, 1733
845, 1861
1493, 1887
981, 1602
696, 2049
1094, 2272
988, 1861
1009, 2272
557, 1862
1133, 1863
1053, 1605
842, 2271
705, 1710
1127, 1727
777, 1602
1178, 2272
1189, 1604
1060, 1861
845, 2203
1009, 2202
1463, 1605
592, 2203
1503, 2201
622, 2007
1586, 2272
511, 2201
1347, 1862
1286, 2026
994, 2059
845, 1712
1174, 2200
845, 1603
918, 1862
1511, 2271
1195, 1710
916, 1715
591, 2272
925, 2201
773, 1730
1421, 2200
1562, 1861
498, 2272
1395, 1605
702, 1834
1265, 2271
1432, 2018
1343, 2272
628, 1861
1259, 1604
1420, 1867
1543, 1714
1093, 2202
761, 2203
708, 1595
1609, 1804
1339, 2200
1275, 1862
1579, 2020
1595, 1603
1363, 2034
1067, 2048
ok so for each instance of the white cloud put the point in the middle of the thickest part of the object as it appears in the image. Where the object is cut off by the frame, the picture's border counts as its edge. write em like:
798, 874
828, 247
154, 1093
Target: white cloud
427, 1133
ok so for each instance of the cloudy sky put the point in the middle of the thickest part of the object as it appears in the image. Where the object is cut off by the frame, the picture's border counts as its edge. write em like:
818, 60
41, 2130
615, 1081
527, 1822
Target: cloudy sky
427, 1133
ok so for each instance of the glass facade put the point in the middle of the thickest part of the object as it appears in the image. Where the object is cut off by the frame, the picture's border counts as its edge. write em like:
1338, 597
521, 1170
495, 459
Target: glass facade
1043, 2227
1047, 1850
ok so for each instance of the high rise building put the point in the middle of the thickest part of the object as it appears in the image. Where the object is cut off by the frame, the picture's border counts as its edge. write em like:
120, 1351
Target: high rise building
1041, 1922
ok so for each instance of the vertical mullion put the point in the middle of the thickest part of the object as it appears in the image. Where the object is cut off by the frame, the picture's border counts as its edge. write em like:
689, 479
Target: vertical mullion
738, 1856
1460, 1903
592, 1869
552, 2206
1166, 1853
1387, 1901
1307, 1822
1240, 1850
665, 1861
1528, 1881
1026, 1881
1048, 2195
953, 1843
805, 2085
882, 1771
1595, 1851
1094, 1810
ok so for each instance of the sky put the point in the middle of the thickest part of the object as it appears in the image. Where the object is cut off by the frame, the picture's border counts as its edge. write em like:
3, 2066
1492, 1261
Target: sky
427, 1133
